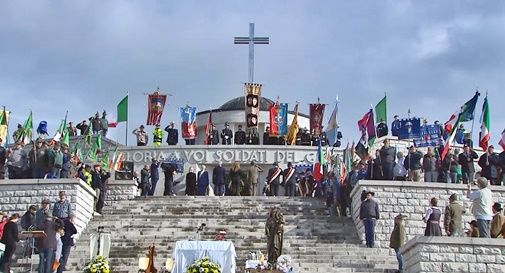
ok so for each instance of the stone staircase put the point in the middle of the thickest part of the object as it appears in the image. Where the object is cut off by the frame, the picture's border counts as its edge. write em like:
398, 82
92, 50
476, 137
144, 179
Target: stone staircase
315, 241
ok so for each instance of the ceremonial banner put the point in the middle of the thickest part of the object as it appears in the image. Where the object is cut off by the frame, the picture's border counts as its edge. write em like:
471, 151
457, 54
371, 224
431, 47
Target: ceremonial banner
430, 137
293, 128
316, 118
42, 128
367, 127
188, 118
156, 104
278, 119
410, 128
252, 92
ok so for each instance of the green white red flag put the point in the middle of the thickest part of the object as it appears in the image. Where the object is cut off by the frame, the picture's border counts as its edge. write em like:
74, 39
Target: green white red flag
484, 135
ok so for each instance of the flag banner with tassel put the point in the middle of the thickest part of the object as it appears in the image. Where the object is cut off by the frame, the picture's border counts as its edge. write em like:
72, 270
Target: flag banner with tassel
252, 92
293, 128
188, 119
316, 118
278, 119
155, 106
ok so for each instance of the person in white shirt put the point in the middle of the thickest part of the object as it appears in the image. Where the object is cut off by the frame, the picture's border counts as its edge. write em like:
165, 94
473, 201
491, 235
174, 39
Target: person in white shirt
482, 202
60, 231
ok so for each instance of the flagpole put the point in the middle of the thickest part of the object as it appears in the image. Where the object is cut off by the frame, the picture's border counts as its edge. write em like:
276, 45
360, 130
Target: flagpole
126, 133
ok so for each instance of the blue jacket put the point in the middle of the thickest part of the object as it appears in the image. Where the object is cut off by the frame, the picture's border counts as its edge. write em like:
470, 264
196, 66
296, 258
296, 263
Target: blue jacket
218, 176
202, 182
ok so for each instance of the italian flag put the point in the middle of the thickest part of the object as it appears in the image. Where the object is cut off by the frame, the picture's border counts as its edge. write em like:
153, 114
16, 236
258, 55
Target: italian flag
502, 140
484, 128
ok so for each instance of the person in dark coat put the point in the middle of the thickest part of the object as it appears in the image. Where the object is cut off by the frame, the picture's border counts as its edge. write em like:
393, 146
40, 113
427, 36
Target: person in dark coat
67, 241
28, 219
47, 246
236, 179
99, 178
453, 217
172, 134
83, 127
10, 239
144, 181
369, 214
226, 134
169, 172
273, 179
239, 136
202, 181
213, 136
382, 129
489, 165
190, 183
266, 136
387, 160
155, 175
432, 219
218, 179
413, 165
289, 180
395, 126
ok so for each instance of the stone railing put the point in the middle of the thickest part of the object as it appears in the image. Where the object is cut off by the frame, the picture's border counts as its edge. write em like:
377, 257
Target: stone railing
411, 199
17, 195
121, 190
451, 254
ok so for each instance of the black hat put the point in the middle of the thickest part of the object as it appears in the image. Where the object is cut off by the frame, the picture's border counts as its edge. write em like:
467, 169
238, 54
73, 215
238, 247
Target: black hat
226, 124
497, 206
491, 147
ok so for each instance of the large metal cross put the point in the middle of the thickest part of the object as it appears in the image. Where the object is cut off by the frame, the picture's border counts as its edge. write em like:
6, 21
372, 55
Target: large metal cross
251, 40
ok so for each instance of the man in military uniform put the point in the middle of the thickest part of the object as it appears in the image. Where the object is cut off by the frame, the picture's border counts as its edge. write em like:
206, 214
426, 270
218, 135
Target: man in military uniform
213, 136
252, 177
226, 134
172, 134
239, 136
157, 136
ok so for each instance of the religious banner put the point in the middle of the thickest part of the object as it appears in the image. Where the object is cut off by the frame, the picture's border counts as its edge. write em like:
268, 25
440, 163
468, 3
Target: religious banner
278, 119
252, 93
316, 117
188, 118
410, 128
155, 106
430, 136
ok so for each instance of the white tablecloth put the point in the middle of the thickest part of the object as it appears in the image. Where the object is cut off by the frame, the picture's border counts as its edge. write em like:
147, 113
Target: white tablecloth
221, 252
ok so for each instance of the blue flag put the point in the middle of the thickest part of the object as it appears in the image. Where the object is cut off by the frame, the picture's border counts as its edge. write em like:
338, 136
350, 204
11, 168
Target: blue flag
283, 119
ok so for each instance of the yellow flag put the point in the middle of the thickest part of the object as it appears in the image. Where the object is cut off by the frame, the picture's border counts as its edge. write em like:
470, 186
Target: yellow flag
293, 128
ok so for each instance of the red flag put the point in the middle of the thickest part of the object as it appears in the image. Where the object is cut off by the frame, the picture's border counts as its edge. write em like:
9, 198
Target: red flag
316, 117
274, 112
502, 140
156, 104
208, 129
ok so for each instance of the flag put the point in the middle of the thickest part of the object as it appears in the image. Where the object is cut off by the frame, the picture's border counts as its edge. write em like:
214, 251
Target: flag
293, 128
316, 118
26, 135
188, 118
468, 109
4, 124
66, 137
502, 140
76, 152
113, 160
61, 129
96, 148
332, 127
208, 129
42, 128
156, 104
118, 162
367, 127
278, 119
122, 110
252, 92
484, 128
105, 161
381, 111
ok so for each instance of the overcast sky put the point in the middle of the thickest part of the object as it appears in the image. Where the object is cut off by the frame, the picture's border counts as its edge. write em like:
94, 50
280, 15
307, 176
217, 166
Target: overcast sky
83, 56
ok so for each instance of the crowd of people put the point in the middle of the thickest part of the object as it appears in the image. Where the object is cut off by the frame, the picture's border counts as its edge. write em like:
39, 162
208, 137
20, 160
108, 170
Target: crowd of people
489, 220
227, 137
458, 166
58, 225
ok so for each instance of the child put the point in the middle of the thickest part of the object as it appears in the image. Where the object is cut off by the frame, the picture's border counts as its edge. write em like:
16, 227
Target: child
398, 238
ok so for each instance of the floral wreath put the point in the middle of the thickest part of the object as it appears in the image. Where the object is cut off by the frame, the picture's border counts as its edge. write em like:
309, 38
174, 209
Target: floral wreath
99, 264
204, 265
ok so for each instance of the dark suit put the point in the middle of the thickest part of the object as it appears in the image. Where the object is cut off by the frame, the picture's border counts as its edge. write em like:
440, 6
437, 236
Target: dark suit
274, 182
9, 238
239, 137
467, 165
289, 182
172, 136
489, 166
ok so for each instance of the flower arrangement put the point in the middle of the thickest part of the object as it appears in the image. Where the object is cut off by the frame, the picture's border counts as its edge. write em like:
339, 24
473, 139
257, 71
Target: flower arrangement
99, 264
204, 265
284, 264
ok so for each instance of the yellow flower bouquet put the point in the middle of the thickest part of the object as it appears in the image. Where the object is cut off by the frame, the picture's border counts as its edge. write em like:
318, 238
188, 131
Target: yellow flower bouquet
204, 265
98, 265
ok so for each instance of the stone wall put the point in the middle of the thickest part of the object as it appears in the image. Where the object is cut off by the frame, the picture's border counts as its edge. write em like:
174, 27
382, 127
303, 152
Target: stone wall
411, 199
17, 195
121, 190
449, 254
